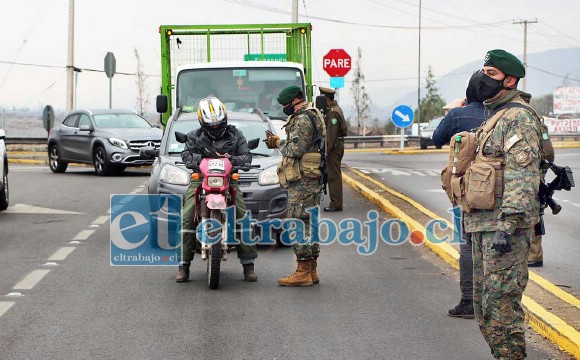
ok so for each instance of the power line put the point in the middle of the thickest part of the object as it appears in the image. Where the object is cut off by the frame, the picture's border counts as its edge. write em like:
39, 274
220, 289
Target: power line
64, 67
553, 74
280, 11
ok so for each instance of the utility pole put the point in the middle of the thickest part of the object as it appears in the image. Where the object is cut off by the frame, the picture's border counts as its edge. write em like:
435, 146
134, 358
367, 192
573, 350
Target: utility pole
525, 22
418, 78
294, 11
70, 62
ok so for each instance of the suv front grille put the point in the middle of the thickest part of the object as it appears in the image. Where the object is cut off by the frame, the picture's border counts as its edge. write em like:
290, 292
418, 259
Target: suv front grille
138, 144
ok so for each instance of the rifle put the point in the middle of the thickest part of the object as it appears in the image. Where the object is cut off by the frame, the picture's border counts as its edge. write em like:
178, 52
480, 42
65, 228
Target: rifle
320, 142
564, 180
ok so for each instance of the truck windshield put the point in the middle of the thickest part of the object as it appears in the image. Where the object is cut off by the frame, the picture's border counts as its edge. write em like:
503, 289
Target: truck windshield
240, 89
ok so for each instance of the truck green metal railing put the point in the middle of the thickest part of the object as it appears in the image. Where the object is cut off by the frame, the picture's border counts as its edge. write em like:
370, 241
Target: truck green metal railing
195, 44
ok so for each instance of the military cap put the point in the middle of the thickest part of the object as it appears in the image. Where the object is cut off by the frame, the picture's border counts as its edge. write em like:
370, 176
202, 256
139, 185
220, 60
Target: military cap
506, 62
288, 94
326, 91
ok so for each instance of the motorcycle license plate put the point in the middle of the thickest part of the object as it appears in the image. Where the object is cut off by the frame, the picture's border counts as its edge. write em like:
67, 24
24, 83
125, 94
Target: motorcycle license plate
216, 164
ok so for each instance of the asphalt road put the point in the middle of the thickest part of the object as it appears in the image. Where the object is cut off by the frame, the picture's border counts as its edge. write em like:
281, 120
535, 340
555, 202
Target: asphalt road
418, 177
389, 305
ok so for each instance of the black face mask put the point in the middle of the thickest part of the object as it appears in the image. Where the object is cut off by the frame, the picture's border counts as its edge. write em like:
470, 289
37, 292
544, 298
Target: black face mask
487, 87
288, 110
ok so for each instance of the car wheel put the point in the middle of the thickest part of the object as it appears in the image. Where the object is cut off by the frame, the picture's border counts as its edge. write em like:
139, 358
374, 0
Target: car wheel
4, 192
438, 147
54, 161
423, 145
102, 165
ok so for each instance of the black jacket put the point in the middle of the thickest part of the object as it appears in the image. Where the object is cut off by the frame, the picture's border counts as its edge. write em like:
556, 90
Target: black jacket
200, 146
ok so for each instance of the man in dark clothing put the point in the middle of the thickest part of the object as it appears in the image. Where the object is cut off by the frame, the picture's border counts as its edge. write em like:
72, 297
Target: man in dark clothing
214, 139
460, 119
457, 120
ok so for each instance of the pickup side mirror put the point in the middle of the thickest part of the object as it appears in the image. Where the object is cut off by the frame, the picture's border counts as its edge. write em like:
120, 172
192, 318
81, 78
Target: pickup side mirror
253, 144
85, 127
161, 103
180, 137
148, 152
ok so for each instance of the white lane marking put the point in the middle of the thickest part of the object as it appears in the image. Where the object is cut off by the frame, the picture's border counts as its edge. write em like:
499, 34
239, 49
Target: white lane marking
61, 253
15, 294
50, 264
436, 190
101, 220
577, 205
83, 235
31, 280
28, 209
4, 306
74, 242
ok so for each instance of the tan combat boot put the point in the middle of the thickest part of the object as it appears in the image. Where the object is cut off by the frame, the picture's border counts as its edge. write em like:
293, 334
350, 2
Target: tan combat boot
313, 272
301, 277
183, 274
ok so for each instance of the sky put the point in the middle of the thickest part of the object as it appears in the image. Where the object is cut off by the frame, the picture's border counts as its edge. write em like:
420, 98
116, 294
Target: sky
454, 32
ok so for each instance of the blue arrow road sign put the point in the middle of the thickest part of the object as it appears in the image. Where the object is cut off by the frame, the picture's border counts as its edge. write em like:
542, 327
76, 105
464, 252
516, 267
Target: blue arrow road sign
402, 116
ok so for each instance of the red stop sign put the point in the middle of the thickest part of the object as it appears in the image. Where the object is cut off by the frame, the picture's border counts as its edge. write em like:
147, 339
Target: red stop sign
336, 63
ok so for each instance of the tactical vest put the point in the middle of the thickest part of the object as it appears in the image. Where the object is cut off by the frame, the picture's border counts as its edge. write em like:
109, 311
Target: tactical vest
292, 169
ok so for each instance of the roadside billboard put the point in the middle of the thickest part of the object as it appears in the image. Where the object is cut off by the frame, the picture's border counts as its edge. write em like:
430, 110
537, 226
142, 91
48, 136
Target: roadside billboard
562, 126
566, 100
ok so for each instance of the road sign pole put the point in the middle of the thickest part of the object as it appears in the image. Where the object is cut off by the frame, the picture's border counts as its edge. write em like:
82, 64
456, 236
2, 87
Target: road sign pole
402, 139
110, 93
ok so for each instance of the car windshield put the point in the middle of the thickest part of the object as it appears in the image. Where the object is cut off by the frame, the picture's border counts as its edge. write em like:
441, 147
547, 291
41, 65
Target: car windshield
121, 121
240, 89
250, 129
434, 123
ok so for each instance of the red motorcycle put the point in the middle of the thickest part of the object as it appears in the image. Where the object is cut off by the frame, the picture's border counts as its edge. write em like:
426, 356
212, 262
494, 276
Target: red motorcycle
214, 195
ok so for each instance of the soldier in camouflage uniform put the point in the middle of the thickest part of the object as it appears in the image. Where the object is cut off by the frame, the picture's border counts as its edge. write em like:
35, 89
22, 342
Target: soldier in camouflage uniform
501, 237
301, 176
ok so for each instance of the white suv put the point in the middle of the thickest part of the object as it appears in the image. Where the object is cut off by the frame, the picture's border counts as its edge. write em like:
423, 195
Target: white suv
3, 173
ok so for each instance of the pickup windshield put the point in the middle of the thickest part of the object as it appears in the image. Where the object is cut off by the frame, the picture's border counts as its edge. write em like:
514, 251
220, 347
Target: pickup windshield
240, 89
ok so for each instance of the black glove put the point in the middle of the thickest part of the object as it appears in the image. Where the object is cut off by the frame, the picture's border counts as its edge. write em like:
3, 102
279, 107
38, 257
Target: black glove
501, 242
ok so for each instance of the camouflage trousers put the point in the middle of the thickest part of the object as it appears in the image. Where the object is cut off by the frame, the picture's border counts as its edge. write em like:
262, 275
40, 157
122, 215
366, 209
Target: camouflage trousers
304, 194
499, 281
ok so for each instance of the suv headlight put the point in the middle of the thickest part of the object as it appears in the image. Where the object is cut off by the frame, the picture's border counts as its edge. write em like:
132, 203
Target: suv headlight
119, 143
173, 175
269, 176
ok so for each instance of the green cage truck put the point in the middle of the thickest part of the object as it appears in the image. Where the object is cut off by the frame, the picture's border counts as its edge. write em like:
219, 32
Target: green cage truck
245, 66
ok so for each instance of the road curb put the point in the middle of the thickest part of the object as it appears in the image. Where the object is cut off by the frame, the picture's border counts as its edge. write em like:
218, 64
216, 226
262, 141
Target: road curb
545, 284
541, 320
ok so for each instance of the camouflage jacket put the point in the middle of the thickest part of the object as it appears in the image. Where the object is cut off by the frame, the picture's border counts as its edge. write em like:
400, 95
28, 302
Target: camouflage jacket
300, 136
517, 138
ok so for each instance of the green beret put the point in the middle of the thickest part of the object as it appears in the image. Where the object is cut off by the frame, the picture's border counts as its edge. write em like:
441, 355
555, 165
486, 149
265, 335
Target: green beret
506, 62
288, 94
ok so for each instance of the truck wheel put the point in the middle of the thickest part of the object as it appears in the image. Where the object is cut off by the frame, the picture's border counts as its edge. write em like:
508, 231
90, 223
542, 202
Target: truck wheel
100, 161
57, 166
4, 192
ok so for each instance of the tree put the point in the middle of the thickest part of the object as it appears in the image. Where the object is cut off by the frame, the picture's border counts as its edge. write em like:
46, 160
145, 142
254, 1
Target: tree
142, 98
432, 104
362, 101
544, 105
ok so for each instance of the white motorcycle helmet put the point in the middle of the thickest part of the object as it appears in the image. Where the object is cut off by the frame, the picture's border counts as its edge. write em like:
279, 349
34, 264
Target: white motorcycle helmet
212, 116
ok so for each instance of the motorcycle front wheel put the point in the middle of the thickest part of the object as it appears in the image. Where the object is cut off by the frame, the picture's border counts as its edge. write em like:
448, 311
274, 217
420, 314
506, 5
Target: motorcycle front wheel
214, 257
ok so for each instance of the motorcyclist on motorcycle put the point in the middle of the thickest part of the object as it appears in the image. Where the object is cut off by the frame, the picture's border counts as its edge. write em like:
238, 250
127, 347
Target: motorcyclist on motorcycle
214, 139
